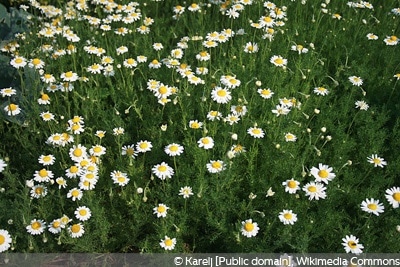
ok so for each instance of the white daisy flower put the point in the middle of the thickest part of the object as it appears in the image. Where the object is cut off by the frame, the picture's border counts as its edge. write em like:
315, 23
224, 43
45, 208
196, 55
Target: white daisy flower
249, 228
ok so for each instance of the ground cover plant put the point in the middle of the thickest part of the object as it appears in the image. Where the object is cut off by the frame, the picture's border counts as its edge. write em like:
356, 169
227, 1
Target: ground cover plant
237, 126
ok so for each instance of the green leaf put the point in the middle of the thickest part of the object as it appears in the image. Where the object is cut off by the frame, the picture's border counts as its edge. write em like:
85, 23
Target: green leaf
4, 15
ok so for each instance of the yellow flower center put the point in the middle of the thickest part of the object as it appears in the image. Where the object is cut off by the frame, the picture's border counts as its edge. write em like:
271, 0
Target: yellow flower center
131, 61
161, 209
173, 148
143, 145
75, 228
75, 193
43, 173
396, 196
238, 148
168, 242
393, 38
82, 212
256, 131
288, 216
233, 81
292, 184
248, 227
154, 62
312, 189
372, 206
74, 169
76, 127
39, 190
289, 136
56, 224
36, 61
36, 225
352, 244
130, 151
97, 149
377, 161
95, 66
64, 219
323, 174
210, 43
69, 74
2, 240
163, 90
216, 165
162, 168
221, 93
91, 168
45, 97
205, 141
89, 176
12, 107
194, 5
299, 47
78, 152
265, 92
18, 61
121, 179
278, 61
83, 163
195, 125
203, 54
267, 19
48, 116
